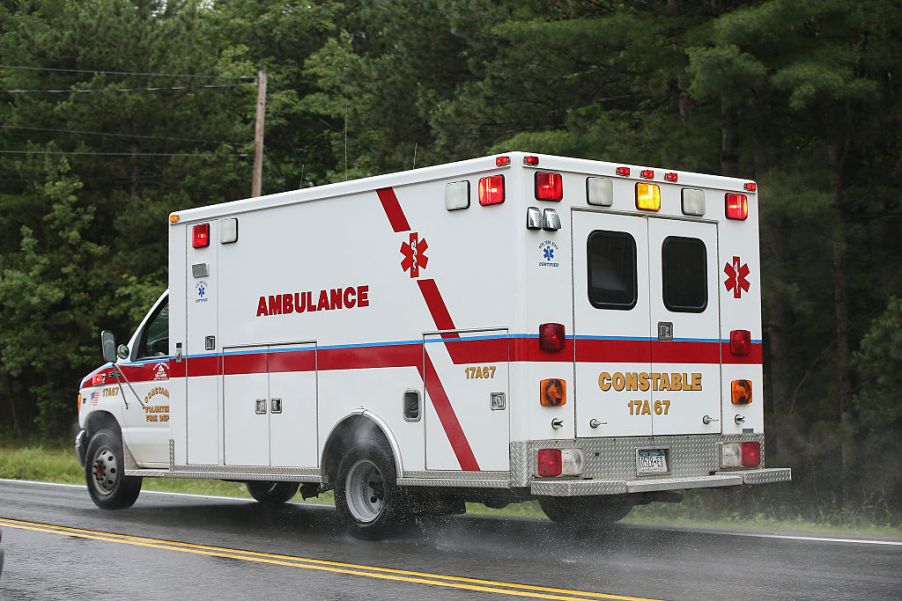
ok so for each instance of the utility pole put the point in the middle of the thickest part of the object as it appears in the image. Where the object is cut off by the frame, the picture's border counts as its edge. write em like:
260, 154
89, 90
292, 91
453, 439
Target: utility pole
256, 183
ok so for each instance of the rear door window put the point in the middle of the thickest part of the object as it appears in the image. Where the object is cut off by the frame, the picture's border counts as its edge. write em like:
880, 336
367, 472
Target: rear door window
684, 273
612, 270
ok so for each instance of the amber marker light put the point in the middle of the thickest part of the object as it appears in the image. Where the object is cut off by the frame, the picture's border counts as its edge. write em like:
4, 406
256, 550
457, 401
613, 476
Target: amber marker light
741, 392
553, 392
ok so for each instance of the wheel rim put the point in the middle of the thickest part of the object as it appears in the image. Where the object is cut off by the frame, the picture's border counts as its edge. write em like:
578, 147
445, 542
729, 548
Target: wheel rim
365, 491
105, 471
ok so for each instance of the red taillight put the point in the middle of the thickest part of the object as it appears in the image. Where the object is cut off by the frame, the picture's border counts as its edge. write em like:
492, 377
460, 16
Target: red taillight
549, 186
737, 206
531, 159
624, 171
740, 342
750, 186
491, 190
647, 174
502, 161
549, 464
670, 176
551, 337
751, 454
200, 235
98, 379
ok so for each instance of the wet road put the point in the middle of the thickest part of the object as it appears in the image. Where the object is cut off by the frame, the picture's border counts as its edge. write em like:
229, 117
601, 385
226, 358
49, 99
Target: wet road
59, 546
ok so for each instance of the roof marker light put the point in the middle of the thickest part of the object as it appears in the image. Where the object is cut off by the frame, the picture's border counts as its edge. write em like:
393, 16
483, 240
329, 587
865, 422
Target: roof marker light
750, 187
623, 171
671, 176
502, 161
531, 159
647, 174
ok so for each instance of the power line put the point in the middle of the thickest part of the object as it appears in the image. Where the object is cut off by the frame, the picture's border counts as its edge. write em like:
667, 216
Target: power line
116, 135
105, 72
123, 154
145, 89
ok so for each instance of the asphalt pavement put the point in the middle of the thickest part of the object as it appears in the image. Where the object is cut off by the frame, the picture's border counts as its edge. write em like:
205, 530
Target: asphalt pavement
170, 546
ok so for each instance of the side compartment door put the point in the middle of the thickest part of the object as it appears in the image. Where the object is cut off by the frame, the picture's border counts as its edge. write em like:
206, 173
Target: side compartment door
685, 320
245, 403
611, 325
292, 405
467, 407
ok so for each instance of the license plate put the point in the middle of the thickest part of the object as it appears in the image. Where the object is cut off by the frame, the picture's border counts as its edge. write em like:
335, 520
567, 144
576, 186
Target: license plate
651, 461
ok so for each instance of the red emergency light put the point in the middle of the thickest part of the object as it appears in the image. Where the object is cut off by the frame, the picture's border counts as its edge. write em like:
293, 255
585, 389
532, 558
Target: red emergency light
491, 190
200, 235
737, 206
549, 186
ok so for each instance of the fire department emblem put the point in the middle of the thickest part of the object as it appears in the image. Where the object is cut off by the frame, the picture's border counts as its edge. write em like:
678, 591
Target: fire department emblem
161, 372
736, 277
414, 253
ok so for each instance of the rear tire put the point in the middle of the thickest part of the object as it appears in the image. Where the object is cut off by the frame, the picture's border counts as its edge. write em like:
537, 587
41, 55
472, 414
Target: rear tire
108, 485
585, 513
368, 502
272, 493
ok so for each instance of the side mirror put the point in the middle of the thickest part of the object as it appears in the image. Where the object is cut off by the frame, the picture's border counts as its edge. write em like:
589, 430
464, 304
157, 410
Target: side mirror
122, 351
108, 346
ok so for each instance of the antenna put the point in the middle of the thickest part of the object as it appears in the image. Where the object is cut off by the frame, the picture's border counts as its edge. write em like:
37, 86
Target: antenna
414, 156
301, 183
346, 139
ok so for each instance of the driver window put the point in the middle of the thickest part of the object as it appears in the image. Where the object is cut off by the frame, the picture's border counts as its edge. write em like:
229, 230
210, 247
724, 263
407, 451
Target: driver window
155, 338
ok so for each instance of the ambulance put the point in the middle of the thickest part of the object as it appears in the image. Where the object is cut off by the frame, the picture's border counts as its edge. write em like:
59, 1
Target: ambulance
506, 328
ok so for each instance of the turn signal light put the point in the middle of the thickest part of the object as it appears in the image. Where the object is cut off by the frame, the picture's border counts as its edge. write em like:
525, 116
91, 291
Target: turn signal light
551, 337
491, 190
648, 197
741, 392
751, 454
98, 379
737, 206
553, 392
549, 463
740, 342
200, 235
549, 186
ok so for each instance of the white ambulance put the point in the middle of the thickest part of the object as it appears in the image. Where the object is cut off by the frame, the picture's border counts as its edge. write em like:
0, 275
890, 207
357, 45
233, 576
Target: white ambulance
499, 329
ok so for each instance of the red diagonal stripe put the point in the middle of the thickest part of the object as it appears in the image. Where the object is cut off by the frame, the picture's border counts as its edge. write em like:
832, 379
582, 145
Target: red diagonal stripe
448, 418
393, 209
437, 308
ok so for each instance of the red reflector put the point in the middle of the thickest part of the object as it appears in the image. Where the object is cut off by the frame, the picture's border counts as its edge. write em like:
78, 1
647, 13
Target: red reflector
551, 337
98, 379
737, 206
549, 462
491, 190
751, 454
671, 176
646, 174
750, 186
200, 235
531, 159
624, 171
502, 161
549, 186
740, 342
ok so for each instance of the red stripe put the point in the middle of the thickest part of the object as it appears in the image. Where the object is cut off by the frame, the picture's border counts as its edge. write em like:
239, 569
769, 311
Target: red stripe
685, 352
399, 355
448, 418
755, 357
437, 308
393, 210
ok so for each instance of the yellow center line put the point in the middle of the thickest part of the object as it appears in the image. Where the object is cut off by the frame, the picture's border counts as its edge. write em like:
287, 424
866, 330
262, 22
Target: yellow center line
377, 572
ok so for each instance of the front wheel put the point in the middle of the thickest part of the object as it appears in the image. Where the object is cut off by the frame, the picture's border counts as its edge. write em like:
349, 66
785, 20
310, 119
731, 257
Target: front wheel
108, 485
367, 499
585, 513
272, 493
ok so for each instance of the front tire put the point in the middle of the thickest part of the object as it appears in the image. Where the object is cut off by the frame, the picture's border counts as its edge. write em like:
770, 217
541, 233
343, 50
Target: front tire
108, 485
272, 493
367, 500
585, 513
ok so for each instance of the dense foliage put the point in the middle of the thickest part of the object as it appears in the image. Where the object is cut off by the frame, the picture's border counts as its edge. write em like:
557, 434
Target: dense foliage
114, 112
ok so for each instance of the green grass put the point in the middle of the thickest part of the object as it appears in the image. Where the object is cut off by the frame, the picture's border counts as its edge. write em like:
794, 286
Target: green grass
49, 462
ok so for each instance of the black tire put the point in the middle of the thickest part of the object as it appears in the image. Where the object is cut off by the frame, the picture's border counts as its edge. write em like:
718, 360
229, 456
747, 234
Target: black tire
108, 485
585, 513
368, 502
272, 493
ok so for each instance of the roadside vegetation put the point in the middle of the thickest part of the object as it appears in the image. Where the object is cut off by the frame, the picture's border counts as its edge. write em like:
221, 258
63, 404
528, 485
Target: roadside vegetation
116, 112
